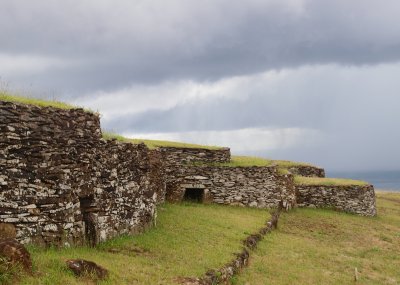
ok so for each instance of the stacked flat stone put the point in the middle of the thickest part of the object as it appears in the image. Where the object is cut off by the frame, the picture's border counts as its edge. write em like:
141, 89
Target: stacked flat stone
262, 187
178, 155
307, 171
355, 199
52, 159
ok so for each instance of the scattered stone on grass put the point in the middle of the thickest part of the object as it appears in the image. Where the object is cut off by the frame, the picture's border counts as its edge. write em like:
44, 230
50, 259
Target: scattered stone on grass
82, 267
15, 253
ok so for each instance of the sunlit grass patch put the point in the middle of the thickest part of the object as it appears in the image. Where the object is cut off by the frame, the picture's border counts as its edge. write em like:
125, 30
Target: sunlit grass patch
319, 246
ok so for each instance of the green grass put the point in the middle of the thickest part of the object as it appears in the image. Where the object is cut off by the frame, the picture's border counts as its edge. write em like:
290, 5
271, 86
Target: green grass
249, 161
8, 271
188, 240
153, 144
300, 180
288, 163
315, 246
33, 101
245, 161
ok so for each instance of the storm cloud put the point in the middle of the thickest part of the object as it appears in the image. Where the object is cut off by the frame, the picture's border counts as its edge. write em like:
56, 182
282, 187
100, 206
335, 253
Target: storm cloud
316, 80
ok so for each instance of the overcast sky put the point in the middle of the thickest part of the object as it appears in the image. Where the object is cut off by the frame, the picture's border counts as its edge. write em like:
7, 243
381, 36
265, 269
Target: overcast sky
308, 80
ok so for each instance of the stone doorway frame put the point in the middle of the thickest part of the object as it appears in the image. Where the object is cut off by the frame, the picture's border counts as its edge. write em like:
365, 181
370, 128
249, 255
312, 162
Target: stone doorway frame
206, 195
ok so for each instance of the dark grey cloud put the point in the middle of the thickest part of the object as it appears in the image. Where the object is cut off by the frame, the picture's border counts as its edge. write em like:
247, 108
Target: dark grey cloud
125, 42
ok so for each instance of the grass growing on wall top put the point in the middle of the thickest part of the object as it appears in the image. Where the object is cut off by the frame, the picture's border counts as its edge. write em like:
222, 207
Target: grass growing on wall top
188, 240
244, 161
288, 163
33, 101
327, 181
249, 161
153, 144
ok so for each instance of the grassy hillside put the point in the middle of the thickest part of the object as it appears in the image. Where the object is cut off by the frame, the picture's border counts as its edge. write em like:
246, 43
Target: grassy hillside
324, 247
187, 241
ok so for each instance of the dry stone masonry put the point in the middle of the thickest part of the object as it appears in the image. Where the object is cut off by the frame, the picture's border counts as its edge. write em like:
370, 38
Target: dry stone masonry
352, 199
307, 171
262, 187
60, 183
178, 156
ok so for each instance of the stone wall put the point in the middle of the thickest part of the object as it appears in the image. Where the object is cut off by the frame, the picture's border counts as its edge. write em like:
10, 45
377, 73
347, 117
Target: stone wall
352, 199
307, 171
262, 187
157, 175
61, 183
178, 155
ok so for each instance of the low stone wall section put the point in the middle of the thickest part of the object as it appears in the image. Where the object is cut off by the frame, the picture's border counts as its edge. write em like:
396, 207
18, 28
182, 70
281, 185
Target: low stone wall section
352, 199
60, 183
307, 171
178, 155
262, 187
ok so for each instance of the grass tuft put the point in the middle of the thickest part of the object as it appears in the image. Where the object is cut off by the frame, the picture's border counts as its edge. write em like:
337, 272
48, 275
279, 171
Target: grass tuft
8, 271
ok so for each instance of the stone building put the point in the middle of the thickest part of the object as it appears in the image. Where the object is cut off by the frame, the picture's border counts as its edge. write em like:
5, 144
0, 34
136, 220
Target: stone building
62, 184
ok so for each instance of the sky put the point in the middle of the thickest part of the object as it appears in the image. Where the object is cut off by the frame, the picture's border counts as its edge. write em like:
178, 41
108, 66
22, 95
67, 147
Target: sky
305, 80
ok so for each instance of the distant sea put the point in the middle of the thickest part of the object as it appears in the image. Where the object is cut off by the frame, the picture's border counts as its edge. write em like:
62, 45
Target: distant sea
383, 180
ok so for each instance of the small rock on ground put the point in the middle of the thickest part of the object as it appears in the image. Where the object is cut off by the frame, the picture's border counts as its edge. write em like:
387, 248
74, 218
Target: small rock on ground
82, 267
15, 253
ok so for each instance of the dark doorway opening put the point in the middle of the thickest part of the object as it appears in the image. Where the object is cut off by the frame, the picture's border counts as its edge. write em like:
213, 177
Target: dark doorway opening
194, 195
88, 210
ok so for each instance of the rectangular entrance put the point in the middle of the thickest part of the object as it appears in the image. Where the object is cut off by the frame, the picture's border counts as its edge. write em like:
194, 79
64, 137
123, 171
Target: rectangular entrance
194, 195
88, 210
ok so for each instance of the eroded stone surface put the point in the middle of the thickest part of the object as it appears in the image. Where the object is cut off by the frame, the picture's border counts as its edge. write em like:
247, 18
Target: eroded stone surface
15, 253
82, 267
